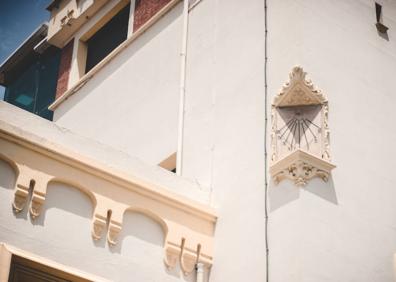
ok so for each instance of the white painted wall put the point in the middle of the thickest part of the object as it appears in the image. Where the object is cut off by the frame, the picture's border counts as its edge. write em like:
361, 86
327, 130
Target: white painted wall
224, 132
62, 233
340, 231
344, 230
132, 103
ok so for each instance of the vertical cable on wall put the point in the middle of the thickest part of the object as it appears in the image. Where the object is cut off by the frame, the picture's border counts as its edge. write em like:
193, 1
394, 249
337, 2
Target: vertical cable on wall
265, 141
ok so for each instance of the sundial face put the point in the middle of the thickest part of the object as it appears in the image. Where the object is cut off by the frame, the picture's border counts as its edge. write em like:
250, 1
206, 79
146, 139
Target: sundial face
299, 127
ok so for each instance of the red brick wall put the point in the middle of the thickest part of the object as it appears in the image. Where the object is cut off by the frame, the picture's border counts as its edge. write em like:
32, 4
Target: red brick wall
64, 69
145, 9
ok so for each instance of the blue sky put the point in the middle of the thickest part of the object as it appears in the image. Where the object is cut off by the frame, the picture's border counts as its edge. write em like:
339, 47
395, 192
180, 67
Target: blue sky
18, 19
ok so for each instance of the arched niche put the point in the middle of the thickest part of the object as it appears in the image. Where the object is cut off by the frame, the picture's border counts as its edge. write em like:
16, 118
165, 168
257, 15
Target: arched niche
73, 185
143, 232
8, 172
67, 213
8, 176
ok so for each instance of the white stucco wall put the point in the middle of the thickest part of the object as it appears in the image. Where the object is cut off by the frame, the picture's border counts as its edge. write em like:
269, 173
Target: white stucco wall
63, 234
224, 129
132, 103
343, 230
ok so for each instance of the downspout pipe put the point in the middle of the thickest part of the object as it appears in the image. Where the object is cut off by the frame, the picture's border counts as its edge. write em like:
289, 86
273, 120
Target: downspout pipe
200, 272
183, 59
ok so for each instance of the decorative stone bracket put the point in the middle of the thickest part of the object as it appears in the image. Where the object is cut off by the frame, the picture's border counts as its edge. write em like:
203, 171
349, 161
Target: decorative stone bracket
300, 135
188, 226
300, 167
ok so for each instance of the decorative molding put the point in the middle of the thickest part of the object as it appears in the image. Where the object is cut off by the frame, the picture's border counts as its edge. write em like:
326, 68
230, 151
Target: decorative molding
297, 111
326, 133
38, 163
298, 91
300, 167
22, 187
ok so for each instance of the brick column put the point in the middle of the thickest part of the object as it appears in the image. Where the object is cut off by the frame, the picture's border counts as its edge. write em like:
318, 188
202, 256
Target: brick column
145, 9
64, 69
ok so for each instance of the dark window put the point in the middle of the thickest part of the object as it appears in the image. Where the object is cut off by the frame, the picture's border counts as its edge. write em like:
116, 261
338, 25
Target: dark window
23, 270
107, 38
34, 89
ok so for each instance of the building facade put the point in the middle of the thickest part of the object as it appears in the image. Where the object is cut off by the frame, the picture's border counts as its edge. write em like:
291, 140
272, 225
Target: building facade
207, 140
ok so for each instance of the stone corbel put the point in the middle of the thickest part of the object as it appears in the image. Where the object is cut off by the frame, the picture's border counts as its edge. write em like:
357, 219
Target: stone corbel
171, 255
39, 193
22, 187
186, 256
99, 224
102, 216
112, 234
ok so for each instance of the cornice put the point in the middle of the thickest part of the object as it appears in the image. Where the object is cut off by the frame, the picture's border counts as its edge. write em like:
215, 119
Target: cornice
187, 224
112, 175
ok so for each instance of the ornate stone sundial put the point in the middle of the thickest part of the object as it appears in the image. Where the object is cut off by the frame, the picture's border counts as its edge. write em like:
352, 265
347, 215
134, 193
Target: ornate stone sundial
300, 132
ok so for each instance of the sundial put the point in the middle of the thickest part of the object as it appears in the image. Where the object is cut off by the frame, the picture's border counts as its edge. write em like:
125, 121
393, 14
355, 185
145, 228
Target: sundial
299, 127
300, 132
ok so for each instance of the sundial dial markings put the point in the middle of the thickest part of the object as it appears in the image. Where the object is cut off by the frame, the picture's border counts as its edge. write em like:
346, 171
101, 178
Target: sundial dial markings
284, 128
295, 128
305, 135
313, 124
294, 134
290, 131
299, 136
313, 134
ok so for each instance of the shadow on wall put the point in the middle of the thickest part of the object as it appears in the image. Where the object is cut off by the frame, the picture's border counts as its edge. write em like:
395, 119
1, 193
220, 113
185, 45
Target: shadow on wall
118, 61
66, 198
7, 184
286, 192
7, 175
138, 228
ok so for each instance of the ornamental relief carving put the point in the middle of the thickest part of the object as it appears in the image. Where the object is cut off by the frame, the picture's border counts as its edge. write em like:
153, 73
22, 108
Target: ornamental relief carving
300, 135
